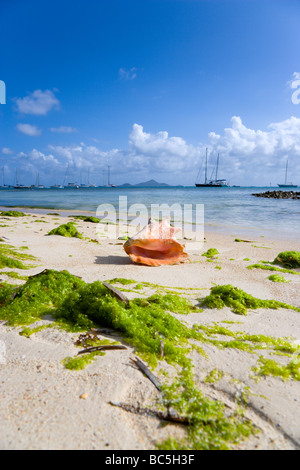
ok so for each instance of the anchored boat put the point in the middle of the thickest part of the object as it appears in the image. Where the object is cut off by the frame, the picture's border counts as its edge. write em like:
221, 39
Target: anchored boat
212, 183
286, 184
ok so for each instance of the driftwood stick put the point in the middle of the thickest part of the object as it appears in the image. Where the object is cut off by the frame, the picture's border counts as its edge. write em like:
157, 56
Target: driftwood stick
101, 348
116, 293
147, 372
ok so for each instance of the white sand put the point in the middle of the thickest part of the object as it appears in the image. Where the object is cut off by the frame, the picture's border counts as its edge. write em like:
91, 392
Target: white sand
41, 404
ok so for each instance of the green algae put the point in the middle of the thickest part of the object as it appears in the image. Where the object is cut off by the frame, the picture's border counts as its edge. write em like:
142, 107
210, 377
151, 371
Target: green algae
144, 324
121, 280
66, 230
85, 218
265, 247
210, 428
6, 293
210, 253
269, 367
14, 275
267, 267
7, 262
214, 376
239, 301
27, 332
80, 362
12, 214
245, 341
277, 278
40, 295
289, 259
11, 258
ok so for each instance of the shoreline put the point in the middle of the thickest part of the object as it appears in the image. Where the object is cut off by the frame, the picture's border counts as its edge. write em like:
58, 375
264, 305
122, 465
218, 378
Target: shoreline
45, 406
209, 227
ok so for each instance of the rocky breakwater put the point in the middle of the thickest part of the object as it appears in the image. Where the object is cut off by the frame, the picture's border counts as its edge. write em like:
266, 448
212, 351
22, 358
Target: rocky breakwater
279, 194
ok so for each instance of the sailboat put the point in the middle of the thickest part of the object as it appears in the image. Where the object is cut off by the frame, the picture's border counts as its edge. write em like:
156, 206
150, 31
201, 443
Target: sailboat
216, 183
70, 185
56, 186
286, 184
18, 185
88, 185
37, 184
5, 186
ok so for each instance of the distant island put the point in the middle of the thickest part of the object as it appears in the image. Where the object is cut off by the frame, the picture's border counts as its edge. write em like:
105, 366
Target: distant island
146, 184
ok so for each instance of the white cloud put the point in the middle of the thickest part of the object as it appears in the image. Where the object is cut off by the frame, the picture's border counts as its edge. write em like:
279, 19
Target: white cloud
7, 151
63, 129
38, 102
127, 74
254, 156
281, 137
36, 156
29, 129
247, 156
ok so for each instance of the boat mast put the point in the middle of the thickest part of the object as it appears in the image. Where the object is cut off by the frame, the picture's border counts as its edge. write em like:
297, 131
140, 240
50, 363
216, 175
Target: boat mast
286, 170
217, 167
206, 167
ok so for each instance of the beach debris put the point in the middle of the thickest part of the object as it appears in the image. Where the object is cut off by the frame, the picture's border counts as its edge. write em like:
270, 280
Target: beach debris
85, 339
155, 245
84, 396
116, 293
242, 241
103, 347
169, 415
147, 372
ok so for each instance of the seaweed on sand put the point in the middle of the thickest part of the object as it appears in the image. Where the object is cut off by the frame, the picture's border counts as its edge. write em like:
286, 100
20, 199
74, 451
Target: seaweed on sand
66, 230
239, 301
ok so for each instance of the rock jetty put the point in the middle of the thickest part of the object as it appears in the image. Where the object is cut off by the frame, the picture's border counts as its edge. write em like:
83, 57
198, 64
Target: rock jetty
279, 194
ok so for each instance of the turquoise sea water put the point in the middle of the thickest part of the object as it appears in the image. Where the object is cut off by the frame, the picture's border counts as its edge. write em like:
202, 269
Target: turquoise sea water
225, 209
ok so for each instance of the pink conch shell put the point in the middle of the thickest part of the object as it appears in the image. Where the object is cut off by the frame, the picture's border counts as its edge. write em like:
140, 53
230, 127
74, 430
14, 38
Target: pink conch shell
155, 245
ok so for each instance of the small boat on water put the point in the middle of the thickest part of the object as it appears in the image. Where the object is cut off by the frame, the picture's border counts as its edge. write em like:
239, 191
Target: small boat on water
21, 186
72, 186
212, 183
286, 184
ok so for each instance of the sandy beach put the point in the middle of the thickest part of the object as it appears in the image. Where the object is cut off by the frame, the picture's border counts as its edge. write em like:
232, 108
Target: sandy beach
46, 406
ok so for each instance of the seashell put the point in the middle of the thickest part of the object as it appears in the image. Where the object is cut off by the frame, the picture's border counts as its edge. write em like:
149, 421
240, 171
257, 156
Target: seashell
156, 245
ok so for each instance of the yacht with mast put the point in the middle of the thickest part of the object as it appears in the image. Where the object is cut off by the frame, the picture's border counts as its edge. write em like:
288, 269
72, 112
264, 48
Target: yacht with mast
286, 184
212, 183
5, 186
18, 185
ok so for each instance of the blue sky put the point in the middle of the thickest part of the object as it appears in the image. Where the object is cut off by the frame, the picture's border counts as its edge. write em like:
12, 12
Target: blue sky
146, 85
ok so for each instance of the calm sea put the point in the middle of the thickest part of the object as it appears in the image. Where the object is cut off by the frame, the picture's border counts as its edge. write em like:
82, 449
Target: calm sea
233, 210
